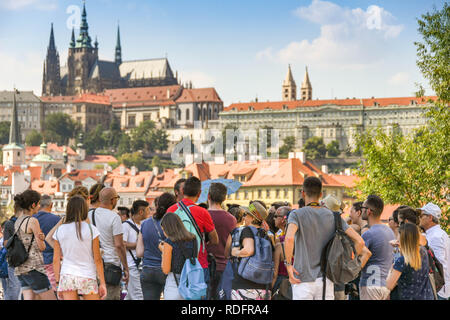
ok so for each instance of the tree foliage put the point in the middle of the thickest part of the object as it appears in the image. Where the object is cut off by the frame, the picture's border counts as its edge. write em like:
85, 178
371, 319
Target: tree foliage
147, 138
315, 148
60, 128
34, 138
4, 132
333, 149
288, 146
134, 159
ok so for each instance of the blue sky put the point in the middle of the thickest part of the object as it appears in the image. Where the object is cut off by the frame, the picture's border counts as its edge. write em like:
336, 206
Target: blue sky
242, 48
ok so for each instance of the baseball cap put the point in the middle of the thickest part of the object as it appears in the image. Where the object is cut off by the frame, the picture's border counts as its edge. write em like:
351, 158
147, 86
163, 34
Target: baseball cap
431, 209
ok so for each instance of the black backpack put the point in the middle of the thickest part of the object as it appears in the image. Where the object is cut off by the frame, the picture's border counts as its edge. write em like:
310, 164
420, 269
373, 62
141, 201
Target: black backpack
17, 254
436, 269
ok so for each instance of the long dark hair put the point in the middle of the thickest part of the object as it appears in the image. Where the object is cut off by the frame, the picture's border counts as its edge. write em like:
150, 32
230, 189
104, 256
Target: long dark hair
175, 229
165, 201
94, 192
77, 211
26, 199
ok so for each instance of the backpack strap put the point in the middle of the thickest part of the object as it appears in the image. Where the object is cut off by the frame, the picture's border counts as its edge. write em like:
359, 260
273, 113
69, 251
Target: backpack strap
93, 217
136, 260
197, 229
32, 238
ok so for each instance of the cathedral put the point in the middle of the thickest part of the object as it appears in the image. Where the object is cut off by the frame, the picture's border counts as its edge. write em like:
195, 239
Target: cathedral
85, 73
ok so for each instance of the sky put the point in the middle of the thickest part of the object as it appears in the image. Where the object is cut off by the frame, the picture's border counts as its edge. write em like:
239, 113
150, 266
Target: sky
241, 48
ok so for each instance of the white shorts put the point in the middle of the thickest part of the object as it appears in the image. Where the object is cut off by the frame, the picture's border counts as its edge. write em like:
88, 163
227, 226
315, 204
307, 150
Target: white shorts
313, 290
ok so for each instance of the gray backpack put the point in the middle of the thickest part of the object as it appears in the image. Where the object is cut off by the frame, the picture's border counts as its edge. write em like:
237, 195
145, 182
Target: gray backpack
339, 261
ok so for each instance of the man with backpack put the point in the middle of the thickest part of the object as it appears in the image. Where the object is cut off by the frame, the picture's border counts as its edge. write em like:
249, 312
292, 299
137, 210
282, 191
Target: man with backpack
197, 220
131, 229
309, 231
439, 241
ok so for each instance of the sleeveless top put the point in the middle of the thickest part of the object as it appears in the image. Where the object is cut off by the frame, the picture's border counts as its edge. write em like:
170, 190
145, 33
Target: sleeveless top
35, 259
178, 256
151, 234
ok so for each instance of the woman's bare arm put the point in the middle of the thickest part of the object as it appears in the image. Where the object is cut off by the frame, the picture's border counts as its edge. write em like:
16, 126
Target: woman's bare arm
166, 258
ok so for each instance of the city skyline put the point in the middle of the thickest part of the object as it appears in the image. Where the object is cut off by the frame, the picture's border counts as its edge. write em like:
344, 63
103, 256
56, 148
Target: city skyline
352, 49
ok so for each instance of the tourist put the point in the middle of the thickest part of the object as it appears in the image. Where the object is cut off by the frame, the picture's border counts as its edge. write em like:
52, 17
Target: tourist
32, 275
124, 213
438, 241
11, 286
410, 271
110, 227
94, 196
238, 212
192, 190
77, 245
131, 230
178, 189
372, 285
179, 245
281, 218
409, 215
309, 230
243, 288
152, 277
47, 221
224, 223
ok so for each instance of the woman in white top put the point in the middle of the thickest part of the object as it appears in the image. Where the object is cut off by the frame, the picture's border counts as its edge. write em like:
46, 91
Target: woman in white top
78, 242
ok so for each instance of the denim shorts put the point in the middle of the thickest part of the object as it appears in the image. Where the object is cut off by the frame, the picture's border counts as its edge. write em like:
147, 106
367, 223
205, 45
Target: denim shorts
36, 281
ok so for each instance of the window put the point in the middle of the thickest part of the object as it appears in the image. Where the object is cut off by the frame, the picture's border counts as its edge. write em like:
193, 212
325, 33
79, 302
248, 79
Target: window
246, 195
259, 193
78, 109
179, 114
146, 117
131, 121
277, 193
267, 193
187, 114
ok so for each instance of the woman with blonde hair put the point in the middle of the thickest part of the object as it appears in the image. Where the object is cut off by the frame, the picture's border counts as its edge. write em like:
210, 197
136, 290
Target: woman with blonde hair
410, 271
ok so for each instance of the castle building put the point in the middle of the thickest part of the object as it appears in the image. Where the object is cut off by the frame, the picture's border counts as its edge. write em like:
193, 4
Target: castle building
84, 72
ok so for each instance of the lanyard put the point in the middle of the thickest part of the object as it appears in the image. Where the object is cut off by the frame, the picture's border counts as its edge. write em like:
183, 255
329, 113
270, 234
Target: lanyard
313, 204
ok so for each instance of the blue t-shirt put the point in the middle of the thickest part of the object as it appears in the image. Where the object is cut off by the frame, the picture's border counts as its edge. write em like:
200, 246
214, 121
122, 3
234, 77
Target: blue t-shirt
377, 268
151, 234
47, 221
412, 284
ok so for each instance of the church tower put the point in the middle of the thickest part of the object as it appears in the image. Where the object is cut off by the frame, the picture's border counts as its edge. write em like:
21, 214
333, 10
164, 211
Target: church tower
289, 87
14, 151
118, 54
306, 89
51, 80
81, 59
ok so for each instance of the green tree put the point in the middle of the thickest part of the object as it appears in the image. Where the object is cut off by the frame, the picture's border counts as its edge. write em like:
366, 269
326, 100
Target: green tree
333, 149
34, 138
288, 146
415, 169
315, 148
160, 141
134, 159
156, 162
4, 132
113, 135
433, 53
124, 145
94, 140
142, 137
60, 128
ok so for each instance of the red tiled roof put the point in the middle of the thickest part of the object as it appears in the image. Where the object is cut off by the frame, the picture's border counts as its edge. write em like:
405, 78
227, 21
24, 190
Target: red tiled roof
100, 158
35, 173
278, 105
348, 181
34, 151
143, 96
80, 175
165, 179
45, 187
59, 99
93, 99
138, 183
199, 95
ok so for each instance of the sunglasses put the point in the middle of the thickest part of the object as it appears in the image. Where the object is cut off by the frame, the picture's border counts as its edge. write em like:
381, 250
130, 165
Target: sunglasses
278, 216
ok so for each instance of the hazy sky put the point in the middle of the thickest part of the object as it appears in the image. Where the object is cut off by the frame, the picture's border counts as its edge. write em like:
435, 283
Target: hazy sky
242, 48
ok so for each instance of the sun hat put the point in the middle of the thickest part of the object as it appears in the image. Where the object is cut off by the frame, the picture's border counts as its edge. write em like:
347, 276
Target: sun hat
332, 203
257, 211
431, 209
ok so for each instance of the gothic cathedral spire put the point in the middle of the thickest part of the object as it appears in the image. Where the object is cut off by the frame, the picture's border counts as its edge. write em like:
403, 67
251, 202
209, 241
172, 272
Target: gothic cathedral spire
118, 48
84, 40
306, 89
289, 87
51, 80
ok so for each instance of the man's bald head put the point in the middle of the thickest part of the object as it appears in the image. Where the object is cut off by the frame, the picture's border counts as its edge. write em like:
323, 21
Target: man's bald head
106, 195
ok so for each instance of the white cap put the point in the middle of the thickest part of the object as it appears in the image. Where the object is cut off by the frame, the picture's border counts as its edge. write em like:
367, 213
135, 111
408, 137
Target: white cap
432, 209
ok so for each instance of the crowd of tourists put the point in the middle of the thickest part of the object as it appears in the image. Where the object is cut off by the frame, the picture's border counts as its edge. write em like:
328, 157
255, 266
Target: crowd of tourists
176, 249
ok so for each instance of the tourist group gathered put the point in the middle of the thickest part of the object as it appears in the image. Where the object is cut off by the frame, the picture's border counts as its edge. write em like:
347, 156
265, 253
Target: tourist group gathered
178, 249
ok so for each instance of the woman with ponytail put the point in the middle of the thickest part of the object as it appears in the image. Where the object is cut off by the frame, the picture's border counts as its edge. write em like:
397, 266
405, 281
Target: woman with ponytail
152, 277
410, 270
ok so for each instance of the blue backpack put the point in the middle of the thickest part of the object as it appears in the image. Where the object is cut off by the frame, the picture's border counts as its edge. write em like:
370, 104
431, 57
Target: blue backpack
259, 267
192, 284
3, 264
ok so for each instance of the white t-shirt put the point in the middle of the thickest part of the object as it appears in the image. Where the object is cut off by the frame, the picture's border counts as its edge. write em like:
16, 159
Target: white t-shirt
109, 225
78, 256
130, 235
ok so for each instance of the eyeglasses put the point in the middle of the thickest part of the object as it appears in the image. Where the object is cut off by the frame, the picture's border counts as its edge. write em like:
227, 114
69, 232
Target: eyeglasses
367, 208
116, 197
278, 216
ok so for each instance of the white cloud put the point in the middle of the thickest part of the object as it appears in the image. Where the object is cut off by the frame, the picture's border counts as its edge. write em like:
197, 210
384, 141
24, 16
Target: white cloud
46, 5
349, 38
400, 79
14, 67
